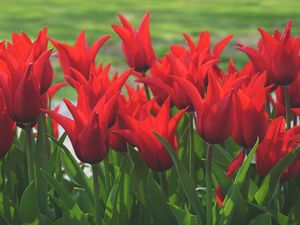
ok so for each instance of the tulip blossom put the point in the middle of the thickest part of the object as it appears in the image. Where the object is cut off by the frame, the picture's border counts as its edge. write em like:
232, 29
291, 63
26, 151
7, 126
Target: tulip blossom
250, 119
203, 47
139, 132
276, 144
26, 77
79, 57
277, 54
98, 84
219, 195
7, 127
88, 131
213, 120
131, 106
162, 84
136, 44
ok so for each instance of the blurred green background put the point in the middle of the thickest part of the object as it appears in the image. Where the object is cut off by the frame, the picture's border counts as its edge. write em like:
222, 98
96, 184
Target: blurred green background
66, 18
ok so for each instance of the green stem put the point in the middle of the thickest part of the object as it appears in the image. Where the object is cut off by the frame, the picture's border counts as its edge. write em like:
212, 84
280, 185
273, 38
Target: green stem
96, 193
287, 107
192, 147
147, 91
29, 150
164, 183
106, 175
208, 185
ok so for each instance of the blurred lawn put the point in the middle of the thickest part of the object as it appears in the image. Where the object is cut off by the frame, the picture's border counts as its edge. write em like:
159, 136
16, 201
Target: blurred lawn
66, 18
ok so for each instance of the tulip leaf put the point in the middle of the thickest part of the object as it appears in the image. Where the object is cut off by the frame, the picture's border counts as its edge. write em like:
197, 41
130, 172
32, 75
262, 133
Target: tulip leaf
73, 169
9, 211
233, 200
158, 202
270, 183
262, 219
183, 217
28, 205
186, 182
294, 216
73, 213
292, 196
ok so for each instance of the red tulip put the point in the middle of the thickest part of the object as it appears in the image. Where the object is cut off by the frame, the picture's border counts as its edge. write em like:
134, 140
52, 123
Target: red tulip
213, 120
139, 132
88, 132
131, 106
236, 163
203, 48
7, 127
277, 54
136, 44
79, 57
219, 195
250, 119
98, 84
277, 143
26, 77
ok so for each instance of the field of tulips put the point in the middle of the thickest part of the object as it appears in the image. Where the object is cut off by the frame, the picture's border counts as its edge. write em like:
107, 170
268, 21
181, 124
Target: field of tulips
171, 140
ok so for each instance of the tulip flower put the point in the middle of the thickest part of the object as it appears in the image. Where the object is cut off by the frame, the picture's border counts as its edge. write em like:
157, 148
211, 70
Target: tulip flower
162, 84
139, 132
219, 195
98, 84
88, 131
277, 143
26, 77
79, 57
131, 106
136, 44
7, 127
213, 120
250, 119
277, 54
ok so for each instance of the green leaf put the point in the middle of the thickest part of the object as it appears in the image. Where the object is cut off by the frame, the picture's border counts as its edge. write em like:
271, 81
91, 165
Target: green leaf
28, 205
9, 211
183, 217
157, 202
73, 169
187, 183
73, 213
294, 215
262, 219
270, 184
233, 201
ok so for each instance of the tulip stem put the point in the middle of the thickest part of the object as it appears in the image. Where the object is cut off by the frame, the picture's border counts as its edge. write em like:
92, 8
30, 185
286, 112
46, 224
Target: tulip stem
208, 185
164, 183
96, 193
191, 150
287, 107
147, 92
30, 166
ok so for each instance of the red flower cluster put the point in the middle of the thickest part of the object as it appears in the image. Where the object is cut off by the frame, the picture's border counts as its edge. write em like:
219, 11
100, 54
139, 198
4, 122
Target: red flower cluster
244, 105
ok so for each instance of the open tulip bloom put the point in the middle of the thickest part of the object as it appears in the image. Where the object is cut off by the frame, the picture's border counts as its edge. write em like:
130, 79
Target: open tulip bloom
183, 142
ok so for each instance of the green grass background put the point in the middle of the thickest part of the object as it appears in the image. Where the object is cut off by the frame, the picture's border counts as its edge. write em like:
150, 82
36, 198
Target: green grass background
66, 18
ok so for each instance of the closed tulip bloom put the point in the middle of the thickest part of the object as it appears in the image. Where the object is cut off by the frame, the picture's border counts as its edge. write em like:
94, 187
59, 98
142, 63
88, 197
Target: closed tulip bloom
250, 119
139, 132
276, 144
278, 54
88, 132
136, 44
26, 77
213, 114
79, 57
7, 127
